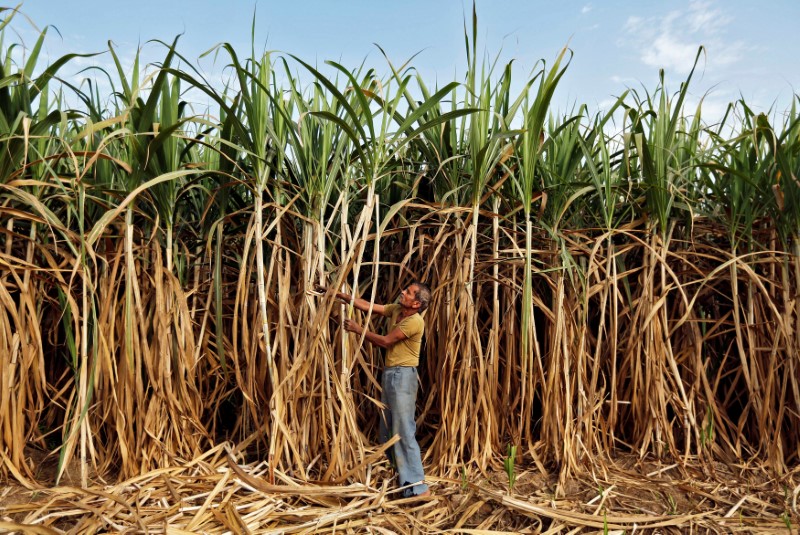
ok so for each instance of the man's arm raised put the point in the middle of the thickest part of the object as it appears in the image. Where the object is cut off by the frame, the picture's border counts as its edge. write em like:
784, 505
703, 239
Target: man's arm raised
360, 304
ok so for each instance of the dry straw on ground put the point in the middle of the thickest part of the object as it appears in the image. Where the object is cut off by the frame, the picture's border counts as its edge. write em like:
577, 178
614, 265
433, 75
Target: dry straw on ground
216, 494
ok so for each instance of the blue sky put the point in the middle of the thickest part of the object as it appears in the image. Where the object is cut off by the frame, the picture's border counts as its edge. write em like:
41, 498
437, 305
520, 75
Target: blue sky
753, 49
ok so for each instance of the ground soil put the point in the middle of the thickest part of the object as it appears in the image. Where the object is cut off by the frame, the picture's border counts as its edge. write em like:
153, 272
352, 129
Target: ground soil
711, 497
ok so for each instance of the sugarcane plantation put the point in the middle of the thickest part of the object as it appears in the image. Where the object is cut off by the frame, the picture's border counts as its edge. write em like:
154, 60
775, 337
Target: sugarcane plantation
198, 306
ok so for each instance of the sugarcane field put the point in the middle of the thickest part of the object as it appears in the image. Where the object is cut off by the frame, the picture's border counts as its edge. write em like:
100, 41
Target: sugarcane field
335, 298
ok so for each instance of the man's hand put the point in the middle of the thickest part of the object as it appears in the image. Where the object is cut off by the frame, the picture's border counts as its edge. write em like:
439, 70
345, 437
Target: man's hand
353, 327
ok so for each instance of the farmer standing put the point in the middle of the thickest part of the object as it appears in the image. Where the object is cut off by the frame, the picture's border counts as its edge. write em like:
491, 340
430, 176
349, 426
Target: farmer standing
399, 384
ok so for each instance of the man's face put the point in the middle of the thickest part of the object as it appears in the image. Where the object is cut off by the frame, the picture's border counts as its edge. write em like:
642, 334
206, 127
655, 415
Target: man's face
408, 297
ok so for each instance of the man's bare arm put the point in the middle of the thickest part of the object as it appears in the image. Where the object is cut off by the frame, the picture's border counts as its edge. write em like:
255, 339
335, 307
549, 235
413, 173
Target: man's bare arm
360, 304
396, 335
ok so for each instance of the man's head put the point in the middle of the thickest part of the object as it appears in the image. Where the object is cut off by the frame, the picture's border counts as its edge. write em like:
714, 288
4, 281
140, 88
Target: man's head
416, 295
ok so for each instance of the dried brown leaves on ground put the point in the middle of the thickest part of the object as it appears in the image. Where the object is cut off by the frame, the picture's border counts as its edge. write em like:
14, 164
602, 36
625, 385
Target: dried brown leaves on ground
217, 494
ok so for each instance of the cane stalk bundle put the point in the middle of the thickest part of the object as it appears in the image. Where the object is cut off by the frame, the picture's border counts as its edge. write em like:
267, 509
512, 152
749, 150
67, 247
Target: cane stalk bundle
594, 292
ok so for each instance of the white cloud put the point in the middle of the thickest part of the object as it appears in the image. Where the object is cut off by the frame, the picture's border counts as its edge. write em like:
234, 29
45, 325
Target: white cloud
633, 23
703, 17
585, 9
669, 52
671, 41
626, 80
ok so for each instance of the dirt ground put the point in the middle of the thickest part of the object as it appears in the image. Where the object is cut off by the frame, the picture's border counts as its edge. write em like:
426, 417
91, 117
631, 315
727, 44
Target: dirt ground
625, 495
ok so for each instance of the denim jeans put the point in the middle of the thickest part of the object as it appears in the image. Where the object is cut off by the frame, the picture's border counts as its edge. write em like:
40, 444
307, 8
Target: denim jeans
400, 397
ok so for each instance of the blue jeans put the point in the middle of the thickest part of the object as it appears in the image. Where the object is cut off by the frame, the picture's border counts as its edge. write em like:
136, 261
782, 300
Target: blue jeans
400, 397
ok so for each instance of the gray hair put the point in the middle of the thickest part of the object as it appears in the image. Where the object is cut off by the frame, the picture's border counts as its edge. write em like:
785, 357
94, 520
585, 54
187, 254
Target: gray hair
423, 296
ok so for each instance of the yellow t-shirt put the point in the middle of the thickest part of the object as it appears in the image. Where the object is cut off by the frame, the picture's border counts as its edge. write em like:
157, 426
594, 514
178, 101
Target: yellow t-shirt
405, 352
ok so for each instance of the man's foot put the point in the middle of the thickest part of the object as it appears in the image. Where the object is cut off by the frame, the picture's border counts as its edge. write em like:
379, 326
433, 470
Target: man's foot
416, 497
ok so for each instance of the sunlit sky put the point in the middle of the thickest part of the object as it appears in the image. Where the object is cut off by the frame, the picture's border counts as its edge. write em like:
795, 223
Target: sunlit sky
752, 48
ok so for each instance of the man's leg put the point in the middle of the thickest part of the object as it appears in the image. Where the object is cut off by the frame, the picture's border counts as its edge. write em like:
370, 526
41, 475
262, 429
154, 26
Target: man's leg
400, 389
385, 418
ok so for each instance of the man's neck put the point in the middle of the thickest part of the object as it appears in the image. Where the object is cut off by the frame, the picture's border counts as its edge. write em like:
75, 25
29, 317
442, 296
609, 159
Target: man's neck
407, 312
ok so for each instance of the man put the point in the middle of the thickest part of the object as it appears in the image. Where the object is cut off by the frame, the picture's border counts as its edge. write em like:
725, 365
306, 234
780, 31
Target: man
399, 384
